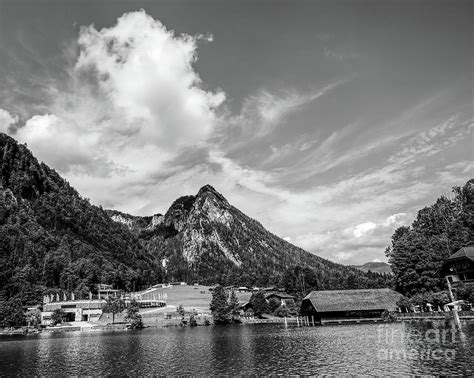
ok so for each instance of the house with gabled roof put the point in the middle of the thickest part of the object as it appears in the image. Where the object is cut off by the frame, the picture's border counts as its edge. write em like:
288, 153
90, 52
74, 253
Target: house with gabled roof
459, 267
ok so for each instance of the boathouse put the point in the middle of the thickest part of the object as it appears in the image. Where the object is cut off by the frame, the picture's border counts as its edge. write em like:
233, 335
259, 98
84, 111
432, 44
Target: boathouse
345, 305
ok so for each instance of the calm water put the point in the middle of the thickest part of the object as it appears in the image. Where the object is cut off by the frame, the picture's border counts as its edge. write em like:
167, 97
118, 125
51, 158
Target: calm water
259, 349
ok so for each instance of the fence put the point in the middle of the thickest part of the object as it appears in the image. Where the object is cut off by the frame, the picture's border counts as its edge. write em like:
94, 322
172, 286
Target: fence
433, 315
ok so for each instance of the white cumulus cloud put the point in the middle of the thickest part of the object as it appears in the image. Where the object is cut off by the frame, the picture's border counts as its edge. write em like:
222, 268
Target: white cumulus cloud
6, 120
133, 103
363, 228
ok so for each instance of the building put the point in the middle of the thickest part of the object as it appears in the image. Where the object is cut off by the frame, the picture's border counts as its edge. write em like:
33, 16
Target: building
85, 310
284, 299
152, 297
105, 291
459, 267
349, 304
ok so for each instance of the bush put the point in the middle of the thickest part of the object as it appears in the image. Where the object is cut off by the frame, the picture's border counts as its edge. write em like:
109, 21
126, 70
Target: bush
273, 305
192, 321
404, 302
293, 309
465, 292
282, 312
33, 317
439, 299
388, 316
249, 313
133, 317
57, 316
207, 322
259, 303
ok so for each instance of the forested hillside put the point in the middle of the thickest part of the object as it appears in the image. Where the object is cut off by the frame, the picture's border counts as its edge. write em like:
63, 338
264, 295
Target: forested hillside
418, 251
53, 240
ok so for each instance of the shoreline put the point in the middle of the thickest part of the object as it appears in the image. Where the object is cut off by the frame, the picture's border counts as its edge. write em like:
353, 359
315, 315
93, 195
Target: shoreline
248, 322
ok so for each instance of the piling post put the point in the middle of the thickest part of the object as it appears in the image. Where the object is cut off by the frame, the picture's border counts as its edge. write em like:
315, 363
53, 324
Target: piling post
457, 321
312, 319
297, 321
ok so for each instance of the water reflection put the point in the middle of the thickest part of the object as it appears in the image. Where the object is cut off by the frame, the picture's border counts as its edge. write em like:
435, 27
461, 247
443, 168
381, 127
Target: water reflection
261, 349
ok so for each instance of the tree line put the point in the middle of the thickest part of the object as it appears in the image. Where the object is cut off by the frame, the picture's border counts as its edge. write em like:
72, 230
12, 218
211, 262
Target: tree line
418, 251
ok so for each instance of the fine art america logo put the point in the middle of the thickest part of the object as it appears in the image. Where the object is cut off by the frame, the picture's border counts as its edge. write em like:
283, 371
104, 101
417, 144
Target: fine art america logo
401, 344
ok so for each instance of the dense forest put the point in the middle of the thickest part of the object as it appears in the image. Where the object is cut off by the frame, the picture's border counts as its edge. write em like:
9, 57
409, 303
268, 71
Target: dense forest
53, 240
417, 252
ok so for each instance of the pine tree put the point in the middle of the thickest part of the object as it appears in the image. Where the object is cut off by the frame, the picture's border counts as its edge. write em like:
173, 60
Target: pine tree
234, 306
219, 306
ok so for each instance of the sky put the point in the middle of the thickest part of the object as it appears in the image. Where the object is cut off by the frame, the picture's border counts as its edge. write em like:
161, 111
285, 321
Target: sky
330, 122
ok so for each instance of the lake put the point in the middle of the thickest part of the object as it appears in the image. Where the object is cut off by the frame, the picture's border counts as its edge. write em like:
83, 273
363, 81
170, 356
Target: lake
396, 348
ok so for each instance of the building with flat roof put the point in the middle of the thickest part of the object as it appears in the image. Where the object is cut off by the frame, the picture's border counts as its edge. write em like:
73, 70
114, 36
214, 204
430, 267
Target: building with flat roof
86, 310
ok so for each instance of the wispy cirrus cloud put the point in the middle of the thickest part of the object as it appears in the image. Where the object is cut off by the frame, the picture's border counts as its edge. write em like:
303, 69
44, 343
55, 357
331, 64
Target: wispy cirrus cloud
435, 139
261, 113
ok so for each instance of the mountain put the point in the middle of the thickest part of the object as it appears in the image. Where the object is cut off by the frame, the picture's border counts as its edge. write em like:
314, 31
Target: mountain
376, 267
52, 239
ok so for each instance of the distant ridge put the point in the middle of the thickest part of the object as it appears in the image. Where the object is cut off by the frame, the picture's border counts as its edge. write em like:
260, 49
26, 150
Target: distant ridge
375, 267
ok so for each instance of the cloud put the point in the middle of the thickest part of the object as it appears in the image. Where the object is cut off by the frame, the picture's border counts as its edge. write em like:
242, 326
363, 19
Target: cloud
146, 72
363, 229
262, 112
133, 103
433, 140
362, 241
340, 54
7, 120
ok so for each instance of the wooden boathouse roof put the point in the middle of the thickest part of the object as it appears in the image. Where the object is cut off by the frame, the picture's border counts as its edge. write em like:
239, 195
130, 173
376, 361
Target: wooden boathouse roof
354, 300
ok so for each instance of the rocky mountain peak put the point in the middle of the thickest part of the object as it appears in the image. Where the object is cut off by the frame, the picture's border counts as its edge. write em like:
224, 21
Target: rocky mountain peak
207, 191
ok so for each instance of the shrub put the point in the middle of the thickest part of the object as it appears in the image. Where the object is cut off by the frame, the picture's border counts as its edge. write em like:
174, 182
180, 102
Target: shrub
133, 317
57, 316
388, 316
259, 303
293, 308
33, 317
282, 312
192, 321
273, 305
439, 298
